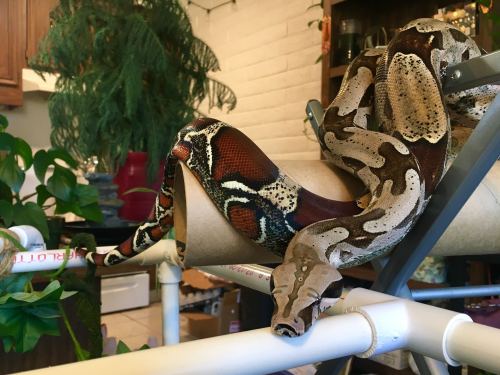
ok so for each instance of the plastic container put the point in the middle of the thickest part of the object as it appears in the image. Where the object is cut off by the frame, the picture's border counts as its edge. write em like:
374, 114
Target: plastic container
349, 42
133, 174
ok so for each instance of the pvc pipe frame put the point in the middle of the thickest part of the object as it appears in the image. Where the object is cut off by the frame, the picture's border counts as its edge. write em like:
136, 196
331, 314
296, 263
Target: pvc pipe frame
52, 259
371, 323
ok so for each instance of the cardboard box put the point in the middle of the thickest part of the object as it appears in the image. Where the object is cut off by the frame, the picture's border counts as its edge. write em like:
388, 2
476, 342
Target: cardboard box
199, 280
203, 325
229, 315
397, 359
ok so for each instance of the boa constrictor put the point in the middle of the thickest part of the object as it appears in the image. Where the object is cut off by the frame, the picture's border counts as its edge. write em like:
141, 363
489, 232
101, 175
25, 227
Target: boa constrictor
398, 91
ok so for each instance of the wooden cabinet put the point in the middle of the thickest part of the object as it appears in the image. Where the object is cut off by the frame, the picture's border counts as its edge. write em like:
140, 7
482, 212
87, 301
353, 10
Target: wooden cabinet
22, 25
391, 14
12, 39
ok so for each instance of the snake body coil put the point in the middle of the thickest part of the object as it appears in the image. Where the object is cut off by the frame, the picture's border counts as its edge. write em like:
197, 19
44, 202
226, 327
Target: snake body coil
396, 91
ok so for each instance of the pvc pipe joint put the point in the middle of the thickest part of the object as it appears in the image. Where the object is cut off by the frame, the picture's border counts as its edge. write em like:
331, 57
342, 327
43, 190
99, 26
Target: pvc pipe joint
389, 325
169, 273
29, 237
398, 323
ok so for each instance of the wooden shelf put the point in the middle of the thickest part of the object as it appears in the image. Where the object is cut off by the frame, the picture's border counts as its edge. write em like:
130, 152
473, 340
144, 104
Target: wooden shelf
391, 14
338, 71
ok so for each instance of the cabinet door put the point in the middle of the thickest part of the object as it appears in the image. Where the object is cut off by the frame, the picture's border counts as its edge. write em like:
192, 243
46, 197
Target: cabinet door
12, 48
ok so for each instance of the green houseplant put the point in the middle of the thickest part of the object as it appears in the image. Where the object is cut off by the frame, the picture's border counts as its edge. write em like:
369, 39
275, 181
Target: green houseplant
131, 74
60, 191
26, 312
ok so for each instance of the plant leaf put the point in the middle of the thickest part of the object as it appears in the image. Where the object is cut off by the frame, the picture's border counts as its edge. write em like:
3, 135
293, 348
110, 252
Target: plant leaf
122, 348
86, 194
44, 312
23, 149
15, 282
91, 212
25, 317
61, 183
140, 190
62, 154
41, 162
62, 207
4, 123
5, 192
8, 343
10, 172
7, 142
42, 195
31, 214
315, 5
6, 212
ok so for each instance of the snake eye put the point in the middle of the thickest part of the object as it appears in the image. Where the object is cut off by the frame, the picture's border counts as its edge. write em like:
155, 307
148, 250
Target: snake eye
334, 290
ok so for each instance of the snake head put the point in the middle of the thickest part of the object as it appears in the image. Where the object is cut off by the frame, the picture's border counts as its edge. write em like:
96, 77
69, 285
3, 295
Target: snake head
302, 288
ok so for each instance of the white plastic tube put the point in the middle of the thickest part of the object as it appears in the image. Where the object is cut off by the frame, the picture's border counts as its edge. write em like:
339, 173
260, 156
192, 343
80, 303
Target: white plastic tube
52, 259
45, 260
402, 323
377, 323
475, 344
250, 275
29, 237
169, 277
251, 352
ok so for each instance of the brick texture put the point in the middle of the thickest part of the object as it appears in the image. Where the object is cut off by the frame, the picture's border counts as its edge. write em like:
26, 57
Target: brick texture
267, 55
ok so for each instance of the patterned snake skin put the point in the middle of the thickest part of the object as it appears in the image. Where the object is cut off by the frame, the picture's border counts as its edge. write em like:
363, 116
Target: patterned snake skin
396, 91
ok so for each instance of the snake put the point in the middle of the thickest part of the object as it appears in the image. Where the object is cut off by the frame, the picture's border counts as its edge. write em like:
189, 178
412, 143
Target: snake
389, 126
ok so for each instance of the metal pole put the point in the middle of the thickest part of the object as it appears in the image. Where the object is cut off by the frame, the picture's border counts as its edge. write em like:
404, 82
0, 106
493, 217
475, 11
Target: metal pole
455, 292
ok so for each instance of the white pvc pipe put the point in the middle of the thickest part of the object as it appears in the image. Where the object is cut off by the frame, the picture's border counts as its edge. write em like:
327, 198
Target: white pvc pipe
29, 237
403, 323
169, 277
251, 352
431, 331
250, 275
395, 323
45, 260
376, 324
52, 259
477, 345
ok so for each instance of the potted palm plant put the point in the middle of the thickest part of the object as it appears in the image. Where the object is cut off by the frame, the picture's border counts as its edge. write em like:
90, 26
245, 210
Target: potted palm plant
131, 74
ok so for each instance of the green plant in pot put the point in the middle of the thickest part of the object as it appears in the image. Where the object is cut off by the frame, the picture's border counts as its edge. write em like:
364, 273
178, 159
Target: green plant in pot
131, 74
60, 191
27, 312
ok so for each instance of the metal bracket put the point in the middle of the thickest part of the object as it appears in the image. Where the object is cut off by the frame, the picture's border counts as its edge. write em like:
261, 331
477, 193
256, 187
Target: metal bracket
475, 72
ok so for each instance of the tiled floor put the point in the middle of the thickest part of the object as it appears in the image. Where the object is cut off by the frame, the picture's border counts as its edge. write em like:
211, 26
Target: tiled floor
143, 326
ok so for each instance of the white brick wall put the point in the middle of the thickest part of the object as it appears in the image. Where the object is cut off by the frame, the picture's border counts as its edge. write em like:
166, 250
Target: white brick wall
267, 54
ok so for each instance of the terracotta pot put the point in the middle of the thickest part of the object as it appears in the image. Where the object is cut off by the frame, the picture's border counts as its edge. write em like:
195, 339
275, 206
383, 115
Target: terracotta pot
133, 174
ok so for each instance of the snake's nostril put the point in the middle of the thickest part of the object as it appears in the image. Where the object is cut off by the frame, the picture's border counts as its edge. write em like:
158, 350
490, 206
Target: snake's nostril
285, 330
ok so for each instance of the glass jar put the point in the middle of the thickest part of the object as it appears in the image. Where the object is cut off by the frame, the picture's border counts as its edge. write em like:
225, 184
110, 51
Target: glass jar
349, 41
